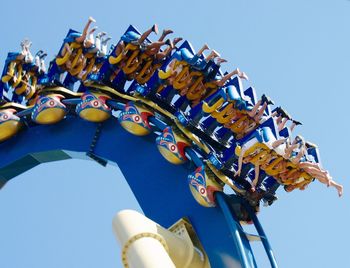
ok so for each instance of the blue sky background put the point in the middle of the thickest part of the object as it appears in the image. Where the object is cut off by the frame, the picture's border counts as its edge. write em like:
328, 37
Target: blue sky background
297, 52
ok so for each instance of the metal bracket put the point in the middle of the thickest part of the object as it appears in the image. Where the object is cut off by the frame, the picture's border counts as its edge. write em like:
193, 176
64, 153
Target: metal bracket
91, 153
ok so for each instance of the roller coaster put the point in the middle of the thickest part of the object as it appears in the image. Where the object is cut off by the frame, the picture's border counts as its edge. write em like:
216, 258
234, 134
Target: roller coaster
226, 150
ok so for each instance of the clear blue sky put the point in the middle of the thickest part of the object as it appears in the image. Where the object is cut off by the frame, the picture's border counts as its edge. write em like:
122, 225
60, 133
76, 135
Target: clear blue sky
297, 52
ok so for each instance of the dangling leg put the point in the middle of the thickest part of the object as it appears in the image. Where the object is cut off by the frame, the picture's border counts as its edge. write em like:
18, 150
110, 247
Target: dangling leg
66, 49
282, 124
37, 61
288, 151
167, 51
98, 40
42, 66
164, 54
104, 46
220, 60
147, 33
339, 187
213, 54
294, 124
252, 112
164, 34
42, 62
120, 48
154, 47
279, 142
300, 154
226, 77
205, 47
89, 42
176, 40
260, 113
256, 178
81, 38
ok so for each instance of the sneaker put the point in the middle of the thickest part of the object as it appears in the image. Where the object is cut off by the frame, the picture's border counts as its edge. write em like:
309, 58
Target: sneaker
297, 123
285, 114
266, 99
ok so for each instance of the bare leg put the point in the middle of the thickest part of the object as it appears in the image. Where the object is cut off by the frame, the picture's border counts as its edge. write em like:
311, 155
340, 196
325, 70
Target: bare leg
337, 186
176, 40
147, 33
226, 77
256, 178
90, 41
81, 38
220, 60
288, 151
258, 116
213, 54
205, 47
66, 48
299, 156
104, 46
42, 66
294, 124
154, 48
165, 53
279, 142
164, 34
282, 124
120, 48
252, 113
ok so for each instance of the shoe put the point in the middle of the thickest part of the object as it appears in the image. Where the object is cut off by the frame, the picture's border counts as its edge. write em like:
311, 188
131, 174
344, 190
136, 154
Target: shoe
155, 28
297, 123
285, 114
266, 99
106, 40
39, 53
42, 56
92, 19
169, 43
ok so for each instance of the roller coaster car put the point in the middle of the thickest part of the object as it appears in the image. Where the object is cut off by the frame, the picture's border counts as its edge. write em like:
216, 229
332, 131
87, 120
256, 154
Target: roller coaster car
259, 148
172, 146
93, 107
203, 185
134, 119
49, 109
10, 124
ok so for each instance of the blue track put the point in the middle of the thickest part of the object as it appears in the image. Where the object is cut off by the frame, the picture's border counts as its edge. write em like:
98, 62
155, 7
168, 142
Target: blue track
165, 190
